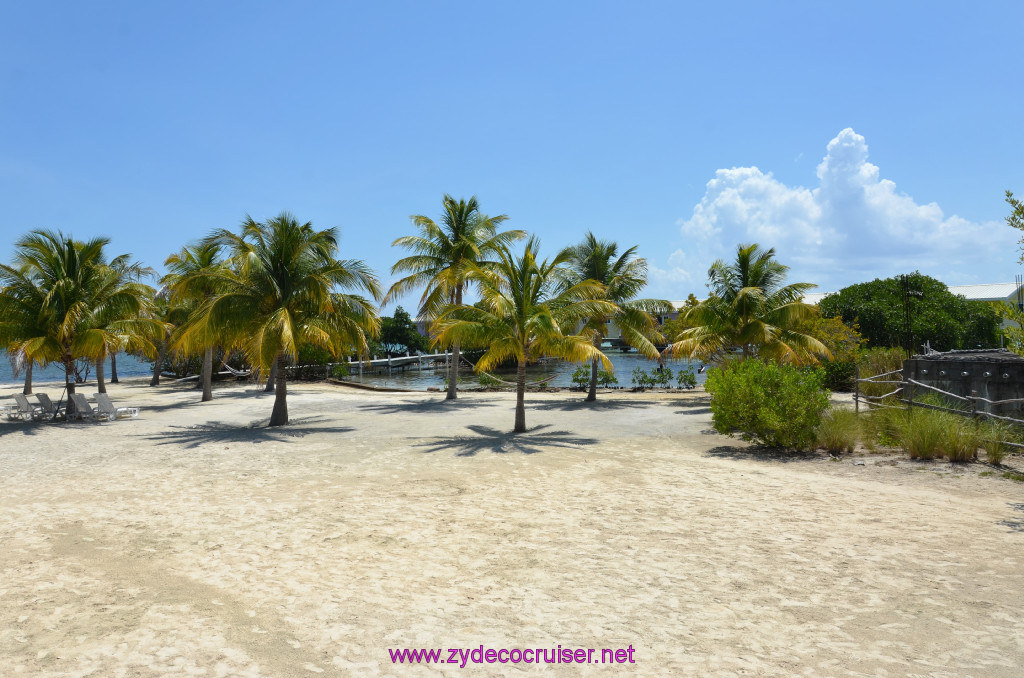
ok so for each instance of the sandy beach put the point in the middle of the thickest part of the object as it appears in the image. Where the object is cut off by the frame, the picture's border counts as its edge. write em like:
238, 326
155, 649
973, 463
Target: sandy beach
193, 541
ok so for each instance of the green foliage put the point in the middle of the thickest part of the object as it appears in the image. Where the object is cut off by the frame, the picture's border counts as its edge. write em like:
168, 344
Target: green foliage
843, 343
776, 405
875, 361
751, 310
606, 379
1014, 333
686, 378
1016, 219
880, 427
961, 439
339, 371
662, 377
994, 435
945, 319
642, 379
839, 430
921, 432
399, 334
487, 381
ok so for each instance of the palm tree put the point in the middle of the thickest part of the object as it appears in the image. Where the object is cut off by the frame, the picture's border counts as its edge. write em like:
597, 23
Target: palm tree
86, 306
525, 312
121, 271
443, 257
623, 276
172, 316
278, 292
750, 310
22, 305
192, 278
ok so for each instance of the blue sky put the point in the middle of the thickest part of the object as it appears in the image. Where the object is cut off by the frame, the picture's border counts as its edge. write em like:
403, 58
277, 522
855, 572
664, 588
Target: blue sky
859, 139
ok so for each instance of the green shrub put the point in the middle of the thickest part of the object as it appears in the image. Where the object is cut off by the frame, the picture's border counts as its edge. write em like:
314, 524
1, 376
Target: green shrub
339, 371
606, 378
839, 430
686, 378
662, 377
581, 377
487, 381
777, 405
641, 379
921, 433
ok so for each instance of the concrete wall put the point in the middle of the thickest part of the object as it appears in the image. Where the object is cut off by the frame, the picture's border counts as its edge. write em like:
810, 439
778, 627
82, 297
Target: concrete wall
995, 379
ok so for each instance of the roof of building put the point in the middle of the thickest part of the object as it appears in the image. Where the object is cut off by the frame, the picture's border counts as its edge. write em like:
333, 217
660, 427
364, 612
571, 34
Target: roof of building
986, 292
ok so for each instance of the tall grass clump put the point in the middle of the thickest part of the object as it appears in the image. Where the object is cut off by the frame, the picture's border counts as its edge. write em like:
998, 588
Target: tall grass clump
960, 440
921, 433
993, 436
839, 430
874, 362
880, 427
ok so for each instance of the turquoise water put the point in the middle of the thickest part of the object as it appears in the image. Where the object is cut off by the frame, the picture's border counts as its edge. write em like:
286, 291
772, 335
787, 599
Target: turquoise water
127, 366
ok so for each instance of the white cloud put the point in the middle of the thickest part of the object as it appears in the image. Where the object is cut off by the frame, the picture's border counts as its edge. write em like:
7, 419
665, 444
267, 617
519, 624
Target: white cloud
853, 227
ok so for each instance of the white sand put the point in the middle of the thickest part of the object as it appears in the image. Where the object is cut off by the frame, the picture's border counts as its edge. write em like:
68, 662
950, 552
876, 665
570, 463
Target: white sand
192, 541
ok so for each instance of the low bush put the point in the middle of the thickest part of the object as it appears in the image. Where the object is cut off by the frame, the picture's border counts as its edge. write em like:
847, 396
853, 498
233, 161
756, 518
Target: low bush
606, 378
776, 405
878, 361
686, 378
839, 430
339, 371
487, 381
880, 428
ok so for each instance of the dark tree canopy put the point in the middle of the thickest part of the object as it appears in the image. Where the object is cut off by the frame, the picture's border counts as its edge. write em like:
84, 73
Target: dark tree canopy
947, 320
398, 334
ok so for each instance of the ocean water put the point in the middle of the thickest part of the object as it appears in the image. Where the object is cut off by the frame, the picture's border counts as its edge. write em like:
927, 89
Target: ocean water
624, 363
127, 366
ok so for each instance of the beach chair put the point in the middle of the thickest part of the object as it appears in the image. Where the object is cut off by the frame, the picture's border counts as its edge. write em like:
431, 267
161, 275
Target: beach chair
49, 409
106, 407
83, 410
25, 409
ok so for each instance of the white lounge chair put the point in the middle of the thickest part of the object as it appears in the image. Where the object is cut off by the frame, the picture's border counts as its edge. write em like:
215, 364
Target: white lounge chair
83, 410
106, 407
25, 409
49, 409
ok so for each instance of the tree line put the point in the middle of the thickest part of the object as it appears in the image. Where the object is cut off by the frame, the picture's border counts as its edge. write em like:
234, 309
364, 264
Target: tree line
267, 290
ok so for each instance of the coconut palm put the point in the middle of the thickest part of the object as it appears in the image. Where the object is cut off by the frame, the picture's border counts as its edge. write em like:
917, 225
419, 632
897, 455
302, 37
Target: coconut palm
443, 257
192, 278
623, 276
22, 305
750, 310
172, 316
279, 291
526, 312
121, 271
86, 307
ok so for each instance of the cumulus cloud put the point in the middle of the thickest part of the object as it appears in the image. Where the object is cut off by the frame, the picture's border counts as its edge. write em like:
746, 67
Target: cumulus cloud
852, 227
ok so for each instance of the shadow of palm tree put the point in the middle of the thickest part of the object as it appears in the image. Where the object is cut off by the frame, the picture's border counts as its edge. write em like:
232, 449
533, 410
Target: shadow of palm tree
489, 439
430, 406
1017, 522
758, 453
574, 405
218, 432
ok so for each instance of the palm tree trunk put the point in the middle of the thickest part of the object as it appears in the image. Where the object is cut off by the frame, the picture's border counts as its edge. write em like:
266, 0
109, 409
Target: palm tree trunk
453, 369
279, 416
113, 368
28, 379
521, 398
592, 393
272, 379
207, 376
158, 365
101, 386
69, 383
